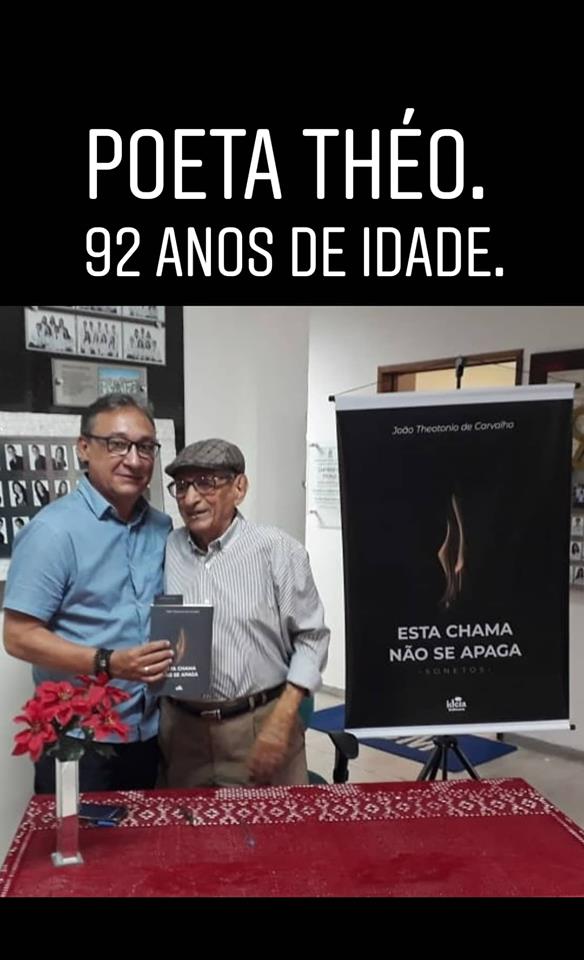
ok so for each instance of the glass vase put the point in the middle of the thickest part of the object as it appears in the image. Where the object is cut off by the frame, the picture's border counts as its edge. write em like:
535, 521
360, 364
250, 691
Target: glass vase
67, 813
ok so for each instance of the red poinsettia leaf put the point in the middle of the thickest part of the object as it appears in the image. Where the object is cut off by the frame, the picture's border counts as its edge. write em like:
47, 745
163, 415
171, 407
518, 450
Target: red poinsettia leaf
48, 691
36, 745
95, 695
116, 694
106, 722
64, 714
51, 693
22, 743
31, 704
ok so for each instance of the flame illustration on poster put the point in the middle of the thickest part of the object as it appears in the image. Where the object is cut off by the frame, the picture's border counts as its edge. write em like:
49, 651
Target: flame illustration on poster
181, 646
451, 555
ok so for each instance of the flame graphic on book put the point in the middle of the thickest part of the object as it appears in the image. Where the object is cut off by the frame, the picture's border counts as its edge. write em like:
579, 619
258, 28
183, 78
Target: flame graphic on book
451, 554
181, 646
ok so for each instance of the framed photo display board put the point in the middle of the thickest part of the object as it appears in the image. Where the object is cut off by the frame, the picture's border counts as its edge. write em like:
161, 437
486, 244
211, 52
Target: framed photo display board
568, 366
78, 383
137, 334
39, 464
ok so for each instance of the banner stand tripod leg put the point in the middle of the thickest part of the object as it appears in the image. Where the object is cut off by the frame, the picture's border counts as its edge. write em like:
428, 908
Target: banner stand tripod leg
439, 759
433, 762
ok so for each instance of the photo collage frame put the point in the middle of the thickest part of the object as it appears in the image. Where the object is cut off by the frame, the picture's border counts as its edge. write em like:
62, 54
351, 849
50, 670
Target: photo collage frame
567, 366
577, 530
137, 334
34, 471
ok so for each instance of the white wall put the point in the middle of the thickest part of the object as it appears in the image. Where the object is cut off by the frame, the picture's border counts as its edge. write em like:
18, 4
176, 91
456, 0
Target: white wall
347, 344
246, 372
16, 773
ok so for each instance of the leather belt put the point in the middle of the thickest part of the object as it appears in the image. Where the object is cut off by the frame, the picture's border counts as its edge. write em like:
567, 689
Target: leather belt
230, 708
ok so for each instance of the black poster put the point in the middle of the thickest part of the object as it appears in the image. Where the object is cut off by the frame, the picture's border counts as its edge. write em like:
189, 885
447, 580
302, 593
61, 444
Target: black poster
456, 522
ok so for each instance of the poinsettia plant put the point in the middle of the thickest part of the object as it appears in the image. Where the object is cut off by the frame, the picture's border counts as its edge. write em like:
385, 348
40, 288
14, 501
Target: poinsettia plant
60, 709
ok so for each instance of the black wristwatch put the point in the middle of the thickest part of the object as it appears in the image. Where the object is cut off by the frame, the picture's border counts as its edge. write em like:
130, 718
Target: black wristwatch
101, 662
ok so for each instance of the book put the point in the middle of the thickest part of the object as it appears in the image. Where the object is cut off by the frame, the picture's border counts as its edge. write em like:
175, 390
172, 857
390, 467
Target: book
190, 631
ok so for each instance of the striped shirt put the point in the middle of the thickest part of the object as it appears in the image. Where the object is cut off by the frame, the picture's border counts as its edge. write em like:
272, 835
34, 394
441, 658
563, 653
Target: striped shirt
268, 620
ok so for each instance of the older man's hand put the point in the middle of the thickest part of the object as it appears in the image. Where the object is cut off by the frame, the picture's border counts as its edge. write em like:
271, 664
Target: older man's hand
273, 741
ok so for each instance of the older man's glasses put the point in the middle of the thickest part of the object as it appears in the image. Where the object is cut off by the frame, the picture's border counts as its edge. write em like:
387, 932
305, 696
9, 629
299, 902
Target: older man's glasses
120, 447
203, 484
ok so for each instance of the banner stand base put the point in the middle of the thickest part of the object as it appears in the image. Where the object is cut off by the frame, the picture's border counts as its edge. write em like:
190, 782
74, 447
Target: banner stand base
439, 758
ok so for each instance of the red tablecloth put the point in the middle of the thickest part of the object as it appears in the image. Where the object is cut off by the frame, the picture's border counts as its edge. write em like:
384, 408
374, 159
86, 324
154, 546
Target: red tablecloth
441, 839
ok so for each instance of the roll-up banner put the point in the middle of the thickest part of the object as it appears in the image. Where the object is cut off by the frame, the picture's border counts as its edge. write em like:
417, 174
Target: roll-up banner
456, 521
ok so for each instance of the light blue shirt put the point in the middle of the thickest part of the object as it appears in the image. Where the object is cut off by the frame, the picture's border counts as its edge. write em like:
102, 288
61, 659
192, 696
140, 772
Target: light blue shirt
92, 578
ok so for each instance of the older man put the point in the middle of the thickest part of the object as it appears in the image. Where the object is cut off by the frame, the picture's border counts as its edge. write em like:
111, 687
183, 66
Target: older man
83, 575
269, 637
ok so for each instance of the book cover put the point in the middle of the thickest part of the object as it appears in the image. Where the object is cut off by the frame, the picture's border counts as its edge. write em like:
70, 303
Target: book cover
190, 631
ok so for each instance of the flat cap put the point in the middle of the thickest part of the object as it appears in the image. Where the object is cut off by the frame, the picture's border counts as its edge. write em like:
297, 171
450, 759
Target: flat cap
211, 454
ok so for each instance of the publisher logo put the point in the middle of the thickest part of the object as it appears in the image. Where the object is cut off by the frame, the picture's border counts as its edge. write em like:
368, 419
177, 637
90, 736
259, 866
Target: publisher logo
456, 705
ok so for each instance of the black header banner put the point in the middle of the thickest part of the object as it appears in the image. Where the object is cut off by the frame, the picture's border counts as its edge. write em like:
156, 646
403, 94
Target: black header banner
394, 199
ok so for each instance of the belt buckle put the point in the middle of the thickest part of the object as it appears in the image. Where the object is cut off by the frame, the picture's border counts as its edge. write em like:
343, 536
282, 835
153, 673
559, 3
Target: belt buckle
216, 714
